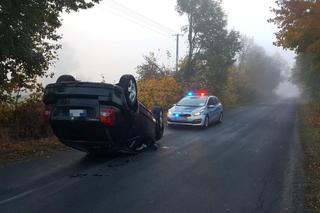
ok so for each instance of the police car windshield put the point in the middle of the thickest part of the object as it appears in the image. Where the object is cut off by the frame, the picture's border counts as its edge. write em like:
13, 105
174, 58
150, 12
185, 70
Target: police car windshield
195, 101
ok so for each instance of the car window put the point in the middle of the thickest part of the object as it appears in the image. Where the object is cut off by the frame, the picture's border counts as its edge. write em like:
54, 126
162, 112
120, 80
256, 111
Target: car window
192, 101
211, 102
215, 101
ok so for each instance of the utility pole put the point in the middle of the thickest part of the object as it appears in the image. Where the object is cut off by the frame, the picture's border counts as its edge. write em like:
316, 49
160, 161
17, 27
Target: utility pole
177, 51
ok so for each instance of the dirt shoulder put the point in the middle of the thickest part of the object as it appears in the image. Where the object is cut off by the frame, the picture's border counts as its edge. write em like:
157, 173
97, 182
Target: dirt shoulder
309, 131
14, 151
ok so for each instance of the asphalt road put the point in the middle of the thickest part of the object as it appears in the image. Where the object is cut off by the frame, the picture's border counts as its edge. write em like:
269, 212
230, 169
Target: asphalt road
246, 164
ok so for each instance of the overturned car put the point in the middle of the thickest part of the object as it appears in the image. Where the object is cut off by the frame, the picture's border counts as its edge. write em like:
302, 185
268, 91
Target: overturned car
98, 117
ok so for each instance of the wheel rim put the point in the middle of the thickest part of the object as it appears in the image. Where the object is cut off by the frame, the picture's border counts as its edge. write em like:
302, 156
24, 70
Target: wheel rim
132, 90
206, 122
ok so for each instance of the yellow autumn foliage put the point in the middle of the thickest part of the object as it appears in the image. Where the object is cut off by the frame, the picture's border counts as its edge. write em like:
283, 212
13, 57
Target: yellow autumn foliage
298, 23
163, 92
236, 88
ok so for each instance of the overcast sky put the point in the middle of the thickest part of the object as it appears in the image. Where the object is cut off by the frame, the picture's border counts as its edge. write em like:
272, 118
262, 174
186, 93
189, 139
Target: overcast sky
111, 38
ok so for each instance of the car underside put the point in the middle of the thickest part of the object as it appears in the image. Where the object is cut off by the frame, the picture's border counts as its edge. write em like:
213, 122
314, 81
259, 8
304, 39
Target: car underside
95, 117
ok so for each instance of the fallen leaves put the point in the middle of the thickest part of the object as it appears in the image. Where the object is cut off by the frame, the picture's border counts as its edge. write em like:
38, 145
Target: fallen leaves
309, 126
12, 151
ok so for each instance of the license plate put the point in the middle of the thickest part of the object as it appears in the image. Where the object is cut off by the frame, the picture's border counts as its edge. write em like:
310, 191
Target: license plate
78, 112
180, 119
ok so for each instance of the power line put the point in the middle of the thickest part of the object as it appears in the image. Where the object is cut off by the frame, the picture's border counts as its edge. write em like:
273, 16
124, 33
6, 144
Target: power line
133, 21
143, 21
136, 15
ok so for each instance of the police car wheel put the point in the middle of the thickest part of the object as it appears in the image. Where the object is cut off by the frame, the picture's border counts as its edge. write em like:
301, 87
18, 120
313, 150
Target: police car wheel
206, 122
220, 118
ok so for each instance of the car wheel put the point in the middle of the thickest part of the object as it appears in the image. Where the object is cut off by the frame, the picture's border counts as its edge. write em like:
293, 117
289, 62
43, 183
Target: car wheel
159, 116
206, 123
129, 85
65, 79
220, 120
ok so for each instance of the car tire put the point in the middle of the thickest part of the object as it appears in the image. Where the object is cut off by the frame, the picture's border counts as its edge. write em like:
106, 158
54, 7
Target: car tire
65, 79
206, 123
159, 116
220, 120
129, 85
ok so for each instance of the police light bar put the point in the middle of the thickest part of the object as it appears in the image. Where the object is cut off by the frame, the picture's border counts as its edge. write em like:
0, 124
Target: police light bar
202, 93
190, 94
199, 93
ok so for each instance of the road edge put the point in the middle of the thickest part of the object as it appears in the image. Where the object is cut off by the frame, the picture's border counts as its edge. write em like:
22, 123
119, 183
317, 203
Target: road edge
293, 196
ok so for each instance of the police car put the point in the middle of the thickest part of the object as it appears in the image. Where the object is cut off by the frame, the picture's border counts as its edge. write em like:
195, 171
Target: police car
196, 110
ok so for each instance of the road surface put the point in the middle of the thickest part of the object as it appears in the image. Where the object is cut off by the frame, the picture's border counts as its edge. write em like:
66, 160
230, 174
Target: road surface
246, 164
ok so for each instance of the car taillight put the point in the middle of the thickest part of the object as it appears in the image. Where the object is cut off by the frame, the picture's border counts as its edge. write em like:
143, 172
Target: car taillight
47, 113
108, 116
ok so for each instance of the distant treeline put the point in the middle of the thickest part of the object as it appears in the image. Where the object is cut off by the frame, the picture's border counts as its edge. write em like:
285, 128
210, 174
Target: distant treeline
254, 76
299, 24
220, 61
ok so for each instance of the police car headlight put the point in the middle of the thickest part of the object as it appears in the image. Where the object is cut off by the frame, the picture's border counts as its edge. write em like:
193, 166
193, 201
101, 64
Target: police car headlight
169, 113
198, 113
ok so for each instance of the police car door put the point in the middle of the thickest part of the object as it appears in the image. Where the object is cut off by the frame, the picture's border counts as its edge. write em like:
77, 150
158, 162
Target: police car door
211, 109
217, 108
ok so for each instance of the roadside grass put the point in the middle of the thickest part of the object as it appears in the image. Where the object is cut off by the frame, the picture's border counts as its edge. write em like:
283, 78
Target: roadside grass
309, 126
14, 151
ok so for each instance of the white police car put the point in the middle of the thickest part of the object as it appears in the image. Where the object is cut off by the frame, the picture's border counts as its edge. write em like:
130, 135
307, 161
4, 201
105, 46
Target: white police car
196, 110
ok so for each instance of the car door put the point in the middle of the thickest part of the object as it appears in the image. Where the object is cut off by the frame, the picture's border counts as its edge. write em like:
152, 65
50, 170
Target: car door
211, 109
216, 108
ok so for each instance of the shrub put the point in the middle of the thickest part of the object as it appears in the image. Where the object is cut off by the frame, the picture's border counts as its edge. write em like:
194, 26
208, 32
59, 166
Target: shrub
23, 120
159, 92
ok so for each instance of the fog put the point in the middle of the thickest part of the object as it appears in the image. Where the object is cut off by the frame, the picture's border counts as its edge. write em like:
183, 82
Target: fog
111, 39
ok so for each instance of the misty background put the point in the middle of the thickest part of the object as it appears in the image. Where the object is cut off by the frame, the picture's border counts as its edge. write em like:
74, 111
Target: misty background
111, 38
